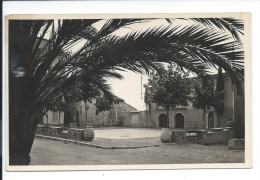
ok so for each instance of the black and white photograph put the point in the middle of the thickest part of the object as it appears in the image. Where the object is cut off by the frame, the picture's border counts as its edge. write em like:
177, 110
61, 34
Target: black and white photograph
128, 91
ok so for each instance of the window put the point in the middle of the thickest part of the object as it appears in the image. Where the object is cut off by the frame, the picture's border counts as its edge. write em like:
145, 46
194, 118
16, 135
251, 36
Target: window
96, 112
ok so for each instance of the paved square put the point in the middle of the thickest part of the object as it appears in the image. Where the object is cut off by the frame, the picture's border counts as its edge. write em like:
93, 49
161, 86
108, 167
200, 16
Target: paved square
48, 152
126, 133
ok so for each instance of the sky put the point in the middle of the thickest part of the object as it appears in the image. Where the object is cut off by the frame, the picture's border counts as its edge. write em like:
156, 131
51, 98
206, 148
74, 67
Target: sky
129, 89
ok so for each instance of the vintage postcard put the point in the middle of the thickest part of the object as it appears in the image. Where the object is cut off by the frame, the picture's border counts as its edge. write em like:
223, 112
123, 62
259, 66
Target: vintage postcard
128, 91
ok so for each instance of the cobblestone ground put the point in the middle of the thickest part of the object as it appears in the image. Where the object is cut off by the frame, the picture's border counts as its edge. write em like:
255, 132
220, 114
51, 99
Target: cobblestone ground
48, 152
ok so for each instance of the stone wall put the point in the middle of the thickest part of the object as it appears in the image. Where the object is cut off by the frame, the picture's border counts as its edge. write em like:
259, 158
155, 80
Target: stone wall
86, 114
193, 119
143, 121
240, 116
125, 118
55, 118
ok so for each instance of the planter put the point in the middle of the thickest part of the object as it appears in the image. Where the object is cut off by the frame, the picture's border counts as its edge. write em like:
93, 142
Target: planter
89, 133
165, 136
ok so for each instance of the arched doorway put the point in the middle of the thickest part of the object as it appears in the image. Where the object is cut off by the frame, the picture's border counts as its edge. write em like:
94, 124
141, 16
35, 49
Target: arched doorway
211, 120
162, 120
179, 120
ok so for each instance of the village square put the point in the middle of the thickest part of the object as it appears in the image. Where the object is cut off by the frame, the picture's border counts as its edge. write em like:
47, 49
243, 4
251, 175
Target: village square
189, 106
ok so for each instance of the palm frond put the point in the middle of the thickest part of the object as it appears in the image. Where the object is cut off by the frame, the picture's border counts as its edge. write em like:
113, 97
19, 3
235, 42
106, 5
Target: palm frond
201, 45
234, 26
112, 25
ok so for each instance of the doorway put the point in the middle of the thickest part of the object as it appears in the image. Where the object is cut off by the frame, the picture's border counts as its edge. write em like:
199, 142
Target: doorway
179, 120
211, 120
162, 120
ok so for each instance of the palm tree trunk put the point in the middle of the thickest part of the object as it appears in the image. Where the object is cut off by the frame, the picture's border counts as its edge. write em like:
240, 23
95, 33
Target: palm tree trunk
21, 138
22, 128
24, 115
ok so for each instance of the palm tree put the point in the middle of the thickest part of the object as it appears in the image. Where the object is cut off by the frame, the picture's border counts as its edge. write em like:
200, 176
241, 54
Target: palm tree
42, 73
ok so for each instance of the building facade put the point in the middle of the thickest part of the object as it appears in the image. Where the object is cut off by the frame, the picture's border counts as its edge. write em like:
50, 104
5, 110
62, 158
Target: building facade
188, 117
85, 113
122, 114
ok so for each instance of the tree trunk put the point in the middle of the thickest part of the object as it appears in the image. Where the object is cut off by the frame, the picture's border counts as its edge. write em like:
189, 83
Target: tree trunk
86, 112
204, 121
68, 112
168, 119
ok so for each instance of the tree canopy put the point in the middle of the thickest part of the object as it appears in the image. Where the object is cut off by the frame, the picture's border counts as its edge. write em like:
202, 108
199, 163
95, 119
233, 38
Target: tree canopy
103, 104
203, 96
168, 88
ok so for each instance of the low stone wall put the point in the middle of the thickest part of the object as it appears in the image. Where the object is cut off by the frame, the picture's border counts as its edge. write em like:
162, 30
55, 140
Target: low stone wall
97, 125
236, 144
206, 137
52, 131
217, 136
68, 133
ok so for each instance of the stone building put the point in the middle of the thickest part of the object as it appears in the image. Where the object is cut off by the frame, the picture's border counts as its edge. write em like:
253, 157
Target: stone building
122, 114
85, 113
190, 118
